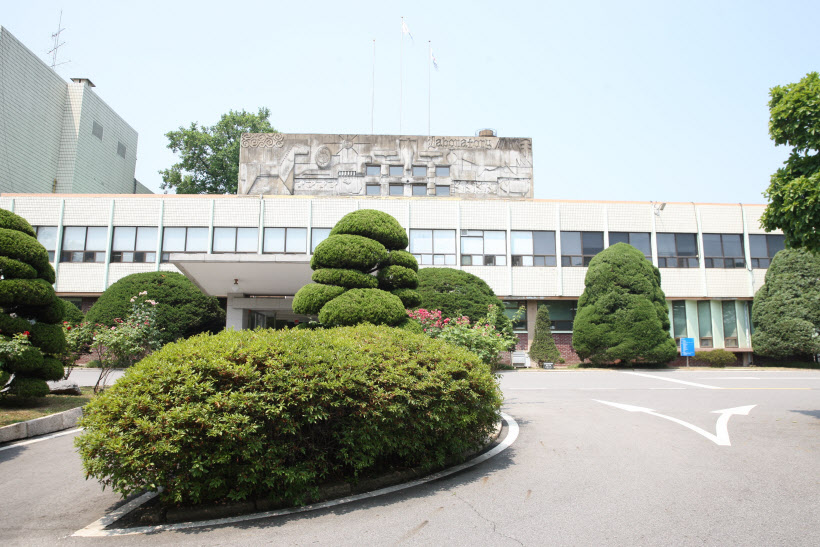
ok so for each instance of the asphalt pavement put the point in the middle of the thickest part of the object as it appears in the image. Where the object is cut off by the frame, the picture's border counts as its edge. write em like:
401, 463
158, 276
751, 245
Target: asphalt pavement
723, 457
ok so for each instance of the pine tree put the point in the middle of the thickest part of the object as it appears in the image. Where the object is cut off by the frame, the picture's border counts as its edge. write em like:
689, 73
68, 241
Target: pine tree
543, 349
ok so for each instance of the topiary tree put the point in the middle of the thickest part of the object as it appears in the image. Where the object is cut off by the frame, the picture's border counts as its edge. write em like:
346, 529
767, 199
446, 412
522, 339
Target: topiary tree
31, 334
543, 349
622, 313
182, 309
786, 309
345, 292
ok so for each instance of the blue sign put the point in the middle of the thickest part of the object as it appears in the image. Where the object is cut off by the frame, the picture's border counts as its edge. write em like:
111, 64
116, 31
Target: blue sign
687, 347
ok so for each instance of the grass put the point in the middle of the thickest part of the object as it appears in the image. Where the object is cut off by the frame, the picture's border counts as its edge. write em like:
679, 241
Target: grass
14, 410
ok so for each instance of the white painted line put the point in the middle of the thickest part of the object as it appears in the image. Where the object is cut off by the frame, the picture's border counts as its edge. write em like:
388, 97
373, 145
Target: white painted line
667, 388
595, 388
732, 378
670, 380
96, 528
40, 439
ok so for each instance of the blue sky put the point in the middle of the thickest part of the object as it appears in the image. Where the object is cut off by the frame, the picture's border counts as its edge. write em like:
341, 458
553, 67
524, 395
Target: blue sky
663, 101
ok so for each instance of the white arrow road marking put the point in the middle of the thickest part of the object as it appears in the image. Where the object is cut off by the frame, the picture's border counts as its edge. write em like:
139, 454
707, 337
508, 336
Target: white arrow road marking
721, 436
656, 377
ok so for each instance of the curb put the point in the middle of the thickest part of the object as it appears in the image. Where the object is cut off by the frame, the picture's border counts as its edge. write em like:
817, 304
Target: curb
40, 426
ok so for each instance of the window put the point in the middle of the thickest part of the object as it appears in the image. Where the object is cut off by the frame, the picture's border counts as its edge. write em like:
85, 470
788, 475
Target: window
562, 314
519, 320
285, 240
639, 240
419, 189
134, 244
433, 247
679, 320
396, 189
236, 240
47, 236
532, 248
578, 248
419, 170
178, 239
483, 248
373, 170
120, 149
396, 170
443, 171
442, 191
677, 251
705, 323
374, 190
317, 235
764, 247
723, 251
97, 130
84, 244
729, 324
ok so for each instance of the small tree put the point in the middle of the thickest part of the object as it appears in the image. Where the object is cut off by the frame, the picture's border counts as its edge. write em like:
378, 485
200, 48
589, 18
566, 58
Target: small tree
786, 309
622, 313
543, 349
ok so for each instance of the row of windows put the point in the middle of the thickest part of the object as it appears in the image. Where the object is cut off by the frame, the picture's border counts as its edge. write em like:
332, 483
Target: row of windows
430, 247
398, 170
706, 340
441, 190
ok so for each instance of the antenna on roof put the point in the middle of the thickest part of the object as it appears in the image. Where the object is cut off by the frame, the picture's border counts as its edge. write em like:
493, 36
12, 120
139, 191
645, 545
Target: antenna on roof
57, 44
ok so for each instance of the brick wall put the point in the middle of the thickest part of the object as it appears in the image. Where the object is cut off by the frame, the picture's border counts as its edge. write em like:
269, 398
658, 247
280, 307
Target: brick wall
564, 343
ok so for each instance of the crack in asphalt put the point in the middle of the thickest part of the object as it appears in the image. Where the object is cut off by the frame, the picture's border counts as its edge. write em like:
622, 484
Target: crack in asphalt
482, 517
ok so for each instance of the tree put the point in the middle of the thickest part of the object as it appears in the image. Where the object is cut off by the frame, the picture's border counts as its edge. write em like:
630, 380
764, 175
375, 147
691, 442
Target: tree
31, 316
794, 190
786, 309
622, 314
209, 156
543, 349
182, 310
362, 243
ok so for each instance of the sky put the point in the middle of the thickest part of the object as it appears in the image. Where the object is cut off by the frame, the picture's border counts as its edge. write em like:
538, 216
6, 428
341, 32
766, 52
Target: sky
631, 100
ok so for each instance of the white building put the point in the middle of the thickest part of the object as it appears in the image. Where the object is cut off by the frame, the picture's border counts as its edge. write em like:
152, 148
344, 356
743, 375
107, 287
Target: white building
57, 136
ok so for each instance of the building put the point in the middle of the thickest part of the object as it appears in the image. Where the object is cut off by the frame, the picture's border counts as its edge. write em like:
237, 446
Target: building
56, 136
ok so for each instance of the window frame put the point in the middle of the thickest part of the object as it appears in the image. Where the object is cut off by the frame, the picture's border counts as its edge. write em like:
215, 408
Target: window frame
52, 253
368, 168
236, 230
713, 261
313, 242
567, 260
165, 256
441, 194
442, 171
629, 241
519, 260
415, 170
285, 239
487, 259
761, 262
681, 304
85, 254
396, 186
395, 171
422, 258
664, 261
368, 187
146, 257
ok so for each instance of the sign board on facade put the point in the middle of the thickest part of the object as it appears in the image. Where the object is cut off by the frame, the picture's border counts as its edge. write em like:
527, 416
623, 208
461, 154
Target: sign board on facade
687, 347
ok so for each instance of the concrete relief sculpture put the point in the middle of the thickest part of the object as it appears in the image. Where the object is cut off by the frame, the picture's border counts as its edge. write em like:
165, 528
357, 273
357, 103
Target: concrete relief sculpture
336, 165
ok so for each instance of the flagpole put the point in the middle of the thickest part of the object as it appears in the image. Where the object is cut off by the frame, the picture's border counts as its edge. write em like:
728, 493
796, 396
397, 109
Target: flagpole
429, 84
401, 69
373, 93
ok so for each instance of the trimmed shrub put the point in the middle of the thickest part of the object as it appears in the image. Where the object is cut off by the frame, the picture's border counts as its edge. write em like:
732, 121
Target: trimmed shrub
350, 279
402, 258
182, 310
348, 252
785, 313
397, 277
26, 292
373, 224
71, 313
25, 248
716, 358
622, 314
10, 221
48, 337
14, 269
363, 306
25, 387
409, 297
310, 298
543, 349
275, 414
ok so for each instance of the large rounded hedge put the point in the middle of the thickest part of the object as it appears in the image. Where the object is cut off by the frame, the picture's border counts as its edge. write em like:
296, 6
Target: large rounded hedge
310, 298
273, 414
363, 306
348, 252
373, 224
182, 309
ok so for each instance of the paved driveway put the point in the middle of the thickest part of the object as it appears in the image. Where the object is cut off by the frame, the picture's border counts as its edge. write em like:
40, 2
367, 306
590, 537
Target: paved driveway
603, 458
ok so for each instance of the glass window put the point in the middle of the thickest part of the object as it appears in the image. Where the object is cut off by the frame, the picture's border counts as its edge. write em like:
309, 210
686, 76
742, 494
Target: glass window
197, 241
317, 235
224, 240
562, 314
373, 170
374, 190
442, 171
47, 236
396, 190
723, 251
396, 170
285, 240
74, 238
433, 247
639, 240
677, 251
578, 248
419, 189
296, 240
419, 171
729, 324
84, 244
705, 323
442, 190
134, 244
235, 240
183, 240
519, 320
532, 248
679, 320
483, 248
763, 248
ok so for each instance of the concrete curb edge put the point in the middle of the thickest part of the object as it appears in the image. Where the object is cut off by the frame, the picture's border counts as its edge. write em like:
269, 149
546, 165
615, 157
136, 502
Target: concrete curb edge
41, 426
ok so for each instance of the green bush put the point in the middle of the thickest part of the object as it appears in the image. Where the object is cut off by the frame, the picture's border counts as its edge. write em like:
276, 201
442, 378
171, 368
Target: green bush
24, 387
409, 297
10, 221
26, 292
622, 314
310, 298
182, 310
363, 306
14, 269
543, 348
71, 313
717, 357
274, 414
402, 258
348, 252
373, 224
48, 337
397, 277
25, 248
350, 279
